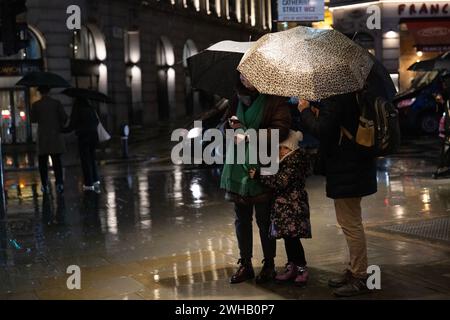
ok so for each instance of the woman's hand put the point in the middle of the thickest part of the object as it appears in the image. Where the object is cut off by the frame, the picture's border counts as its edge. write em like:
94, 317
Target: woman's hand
234, 123
439, 98
251, 173
303, 104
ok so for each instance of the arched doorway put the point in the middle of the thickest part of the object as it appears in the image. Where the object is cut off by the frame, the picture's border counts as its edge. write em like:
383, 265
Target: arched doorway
165, 84
191, 96
88, 53
15, 125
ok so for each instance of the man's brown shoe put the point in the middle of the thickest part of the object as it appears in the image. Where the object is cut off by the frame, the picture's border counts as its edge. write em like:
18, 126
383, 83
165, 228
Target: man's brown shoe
354, 287
340, 280
244, 273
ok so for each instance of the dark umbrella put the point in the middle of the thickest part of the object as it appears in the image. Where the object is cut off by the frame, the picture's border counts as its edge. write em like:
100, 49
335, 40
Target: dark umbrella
379, 81
41, 78
441, 62
214, 69
87, 94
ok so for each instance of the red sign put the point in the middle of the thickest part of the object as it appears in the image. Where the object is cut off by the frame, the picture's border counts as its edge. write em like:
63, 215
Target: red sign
430, 32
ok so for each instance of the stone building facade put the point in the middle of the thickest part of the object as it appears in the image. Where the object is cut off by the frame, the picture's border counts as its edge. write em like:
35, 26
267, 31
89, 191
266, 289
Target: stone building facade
132, 50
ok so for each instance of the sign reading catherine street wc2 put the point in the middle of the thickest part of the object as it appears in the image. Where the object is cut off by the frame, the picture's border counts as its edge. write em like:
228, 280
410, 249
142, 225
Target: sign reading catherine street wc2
300, 10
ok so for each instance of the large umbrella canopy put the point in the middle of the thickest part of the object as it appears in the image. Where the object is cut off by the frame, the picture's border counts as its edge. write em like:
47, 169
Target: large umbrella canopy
441, 62
41, 78
379, 81
309, 63
87, 94
214, 69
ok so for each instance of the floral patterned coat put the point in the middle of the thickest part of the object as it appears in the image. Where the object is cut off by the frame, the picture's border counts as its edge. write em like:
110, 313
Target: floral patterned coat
290, 207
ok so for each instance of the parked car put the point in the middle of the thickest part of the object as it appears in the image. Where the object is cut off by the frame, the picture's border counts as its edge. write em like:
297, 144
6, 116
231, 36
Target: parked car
418, 111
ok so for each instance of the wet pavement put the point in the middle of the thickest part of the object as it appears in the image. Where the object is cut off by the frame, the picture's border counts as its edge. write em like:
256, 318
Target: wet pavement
159, 231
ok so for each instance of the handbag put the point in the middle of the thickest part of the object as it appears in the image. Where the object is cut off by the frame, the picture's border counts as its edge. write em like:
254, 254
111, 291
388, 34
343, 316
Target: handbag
102, 134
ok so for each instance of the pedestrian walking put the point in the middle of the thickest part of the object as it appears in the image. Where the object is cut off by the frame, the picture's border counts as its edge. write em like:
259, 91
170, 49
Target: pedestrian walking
289, 215
350, 176
84, 121
251, 110
443, 101
51, 117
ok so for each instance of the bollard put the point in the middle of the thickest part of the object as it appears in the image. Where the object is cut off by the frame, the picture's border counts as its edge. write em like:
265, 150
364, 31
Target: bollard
124, 133
2, 187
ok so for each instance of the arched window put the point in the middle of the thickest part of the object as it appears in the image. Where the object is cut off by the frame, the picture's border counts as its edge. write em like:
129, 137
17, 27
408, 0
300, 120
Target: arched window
33, 51
214, 7
88, 51
165, 84
234, 10
83, 47
191, 96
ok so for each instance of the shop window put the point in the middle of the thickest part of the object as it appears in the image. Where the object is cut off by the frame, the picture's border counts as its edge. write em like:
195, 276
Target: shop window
15, 125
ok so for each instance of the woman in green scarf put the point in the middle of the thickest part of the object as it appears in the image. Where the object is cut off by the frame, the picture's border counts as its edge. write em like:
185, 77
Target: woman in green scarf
253, 111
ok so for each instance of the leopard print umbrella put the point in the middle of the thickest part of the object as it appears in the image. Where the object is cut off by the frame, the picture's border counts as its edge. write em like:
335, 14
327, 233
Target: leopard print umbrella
309, 63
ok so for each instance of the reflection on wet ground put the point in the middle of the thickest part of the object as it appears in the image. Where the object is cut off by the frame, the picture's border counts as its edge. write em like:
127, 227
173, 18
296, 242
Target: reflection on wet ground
165, 232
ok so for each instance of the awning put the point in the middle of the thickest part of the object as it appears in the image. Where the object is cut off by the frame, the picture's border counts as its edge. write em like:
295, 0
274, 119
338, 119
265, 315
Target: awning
430, 34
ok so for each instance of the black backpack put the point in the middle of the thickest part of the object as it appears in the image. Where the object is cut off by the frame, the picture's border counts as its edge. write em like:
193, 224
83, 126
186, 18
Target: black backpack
378, 132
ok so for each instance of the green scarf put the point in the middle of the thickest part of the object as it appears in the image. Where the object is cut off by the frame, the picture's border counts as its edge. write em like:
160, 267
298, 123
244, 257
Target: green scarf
235, 176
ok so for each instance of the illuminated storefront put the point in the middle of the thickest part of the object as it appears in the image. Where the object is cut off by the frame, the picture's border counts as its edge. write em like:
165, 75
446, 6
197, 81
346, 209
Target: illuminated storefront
410, 31
15, 125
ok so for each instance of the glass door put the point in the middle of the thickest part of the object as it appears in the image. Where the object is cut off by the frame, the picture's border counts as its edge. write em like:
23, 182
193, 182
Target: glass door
6, 122
14, 122
20, 116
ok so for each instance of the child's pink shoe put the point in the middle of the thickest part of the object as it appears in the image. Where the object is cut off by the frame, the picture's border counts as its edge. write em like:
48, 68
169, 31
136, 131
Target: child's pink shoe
302, 276
290, 273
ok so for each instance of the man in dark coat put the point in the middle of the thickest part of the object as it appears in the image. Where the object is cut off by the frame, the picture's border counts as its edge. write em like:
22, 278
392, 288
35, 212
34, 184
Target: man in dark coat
51, 117
350, 175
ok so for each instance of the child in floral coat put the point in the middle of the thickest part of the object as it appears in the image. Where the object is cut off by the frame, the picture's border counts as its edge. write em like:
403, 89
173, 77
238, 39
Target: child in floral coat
290, 207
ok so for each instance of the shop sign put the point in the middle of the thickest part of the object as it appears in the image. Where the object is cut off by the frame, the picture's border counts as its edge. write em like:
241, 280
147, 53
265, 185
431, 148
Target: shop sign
423, 9
301, 10
19, 67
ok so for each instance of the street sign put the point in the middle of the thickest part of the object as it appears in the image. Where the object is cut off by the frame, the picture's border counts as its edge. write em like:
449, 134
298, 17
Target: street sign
300, 10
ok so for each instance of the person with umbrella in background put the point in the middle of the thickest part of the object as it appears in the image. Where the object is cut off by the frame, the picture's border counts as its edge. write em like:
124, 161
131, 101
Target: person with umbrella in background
443, 101
51, 117
84, 122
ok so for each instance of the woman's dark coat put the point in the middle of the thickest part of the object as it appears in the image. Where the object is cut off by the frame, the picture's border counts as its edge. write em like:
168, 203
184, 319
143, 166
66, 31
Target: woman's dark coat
51, 117
84, 121
276, 116
348, 172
